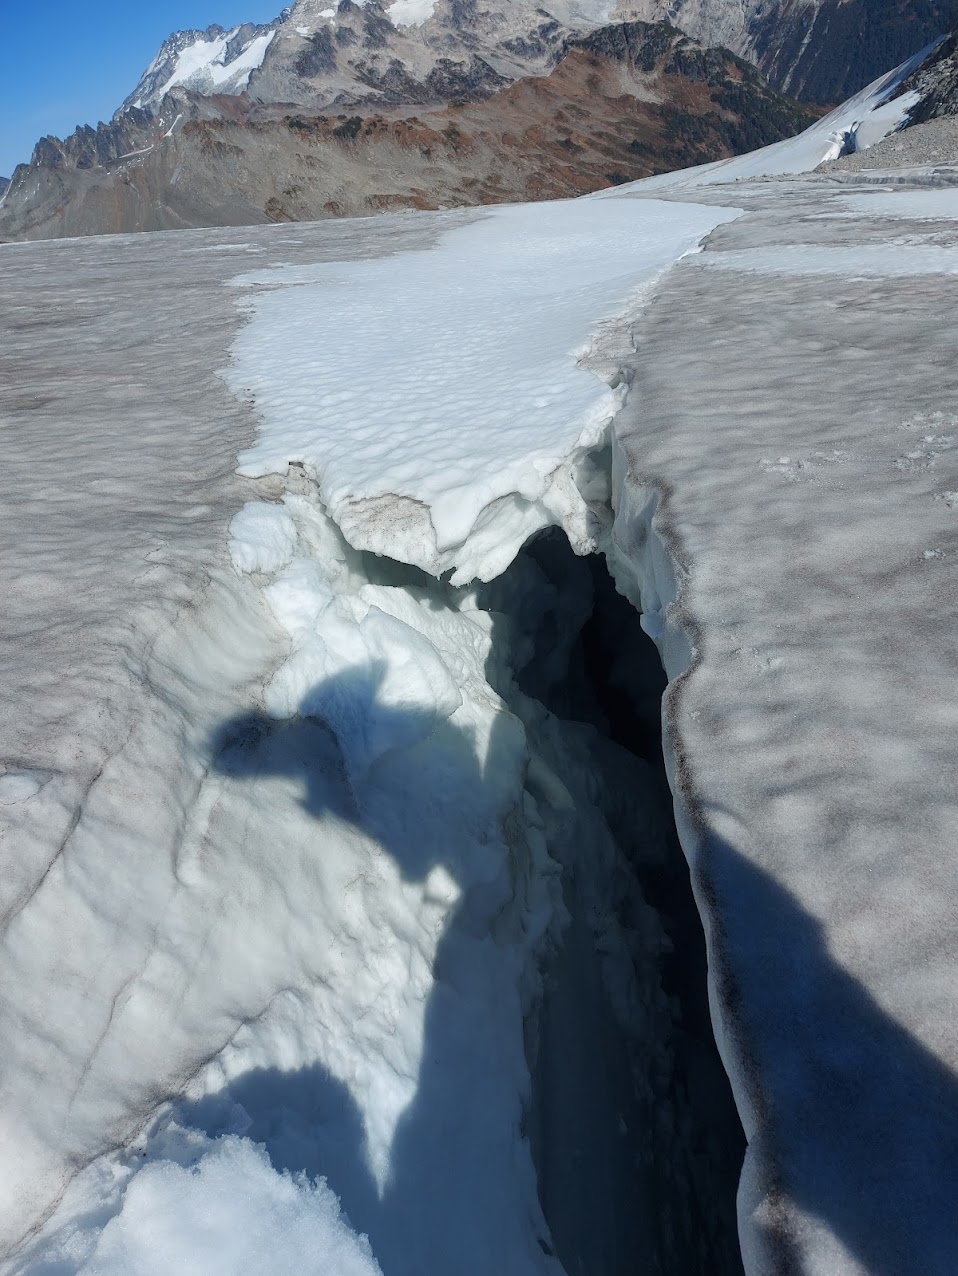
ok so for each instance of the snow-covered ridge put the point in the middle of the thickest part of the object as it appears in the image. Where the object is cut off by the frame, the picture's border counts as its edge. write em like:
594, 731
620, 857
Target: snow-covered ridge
214, 61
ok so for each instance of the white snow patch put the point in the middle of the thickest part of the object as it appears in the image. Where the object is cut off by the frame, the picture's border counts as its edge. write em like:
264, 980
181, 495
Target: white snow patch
436, 395
262, 538
410, 13
201, 64
248, 61
195, 58
200, 1207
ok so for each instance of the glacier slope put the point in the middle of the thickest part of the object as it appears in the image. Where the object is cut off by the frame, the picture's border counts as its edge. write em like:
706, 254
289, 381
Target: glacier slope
197, 907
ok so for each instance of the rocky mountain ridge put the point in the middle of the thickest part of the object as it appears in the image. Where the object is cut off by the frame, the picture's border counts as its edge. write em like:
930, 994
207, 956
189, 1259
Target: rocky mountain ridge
936, 80
384, 59
316, 51
317, 54
622, 102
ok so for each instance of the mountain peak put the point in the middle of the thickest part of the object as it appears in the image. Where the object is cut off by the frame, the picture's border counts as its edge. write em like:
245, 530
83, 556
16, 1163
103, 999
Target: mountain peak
317, 52
211, 61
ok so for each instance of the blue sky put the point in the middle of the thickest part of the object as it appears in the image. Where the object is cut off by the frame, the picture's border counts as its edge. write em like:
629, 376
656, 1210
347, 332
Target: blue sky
67, 64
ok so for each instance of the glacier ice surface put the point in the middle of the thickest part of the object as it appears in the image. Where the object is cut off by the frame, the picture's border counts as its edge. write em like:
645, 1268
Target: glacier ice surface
281, 852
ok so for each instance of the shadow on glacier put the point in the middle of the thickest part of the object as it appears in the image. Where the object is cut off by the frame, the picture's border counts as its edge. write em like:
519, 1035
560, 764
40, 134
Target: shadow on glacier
306, 1118
860, 1119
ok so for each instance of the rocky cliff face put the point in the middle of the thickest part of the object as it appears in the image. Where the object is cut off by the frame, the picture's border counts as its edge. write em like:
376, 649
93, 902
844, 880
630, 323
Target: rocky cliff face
827, 50
816, 50
625, 102
937, 82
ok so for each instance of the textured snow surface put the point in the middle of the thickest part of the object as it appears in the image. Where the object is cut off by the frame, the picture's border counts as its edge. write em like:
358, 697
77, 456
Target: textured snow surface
793, 440
436, 396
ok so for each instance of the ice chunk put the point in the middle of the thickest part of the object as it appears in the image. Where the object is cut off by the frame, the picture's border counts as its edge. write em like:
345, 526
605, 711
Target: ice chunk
262, 537
203, 1207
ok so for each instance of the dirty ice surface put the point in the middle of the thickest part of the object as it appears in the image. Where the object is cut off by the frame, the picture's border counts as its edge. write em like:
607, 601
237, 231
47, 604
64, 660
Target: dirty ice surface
436, 396
793, 436
927, 205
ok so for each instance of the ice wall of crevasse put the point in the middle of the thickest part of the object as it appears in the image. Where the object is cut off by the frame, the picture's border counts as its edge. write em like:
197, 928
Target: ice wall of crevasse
353, 916
635, 1135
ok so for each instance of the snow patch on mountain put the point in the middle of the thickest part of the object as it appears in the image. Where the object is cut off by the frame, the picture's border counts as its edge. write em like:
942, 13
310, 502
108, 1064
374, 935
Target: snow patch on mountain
203, 66
410, 13
212, 61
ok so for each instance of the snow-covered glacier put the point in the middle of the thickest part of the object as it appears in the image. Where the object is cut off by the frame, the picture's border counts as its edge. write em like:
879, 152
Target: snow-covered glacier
344, 924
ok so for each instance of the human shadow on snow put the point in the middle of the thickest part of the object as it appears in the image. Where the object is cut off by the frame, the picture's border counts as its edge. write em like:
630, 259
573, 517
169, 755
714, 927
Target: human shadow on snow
403, 776
858, 1119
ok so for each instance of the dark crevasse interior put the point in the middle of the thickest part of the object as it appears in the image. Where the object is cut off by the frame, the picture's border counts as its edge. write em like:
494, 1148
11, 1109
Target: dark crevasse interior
637, 1143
